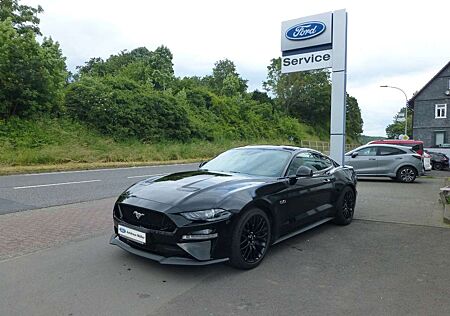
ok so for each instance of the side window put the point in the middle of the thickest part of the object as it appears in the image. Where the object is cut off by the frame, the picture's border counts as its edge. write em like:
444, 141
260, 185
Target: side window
321, 162
312, 160
389, 151
368, 151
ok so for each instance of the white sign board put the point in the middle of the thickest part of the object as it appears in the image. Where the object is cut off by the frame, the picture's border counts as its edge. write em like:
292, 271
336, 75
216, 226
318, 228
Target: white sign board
317, 42
307, 61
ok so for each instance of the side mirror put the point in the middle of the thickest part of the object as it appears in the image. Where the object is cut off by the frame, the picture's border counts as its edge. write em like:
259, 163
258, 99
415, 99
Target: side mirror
354, 154
202, 164
304, 171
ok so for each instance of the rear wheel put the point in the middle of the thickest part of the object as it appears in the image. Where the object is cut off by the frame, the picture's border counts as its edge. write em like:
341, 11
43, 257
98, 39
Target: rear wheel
437, 166
250, 240
406, 174
345, 207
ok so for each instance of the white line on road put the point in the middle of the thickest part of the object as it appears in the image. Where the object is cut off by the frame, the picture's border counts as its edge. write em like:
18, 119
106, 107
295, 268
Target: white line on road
54, 184
146, 175
104, 169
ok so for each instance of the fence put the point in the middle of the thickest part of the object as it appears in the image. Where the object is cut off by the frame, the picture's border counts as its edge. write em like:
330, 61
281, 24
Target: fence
324, 146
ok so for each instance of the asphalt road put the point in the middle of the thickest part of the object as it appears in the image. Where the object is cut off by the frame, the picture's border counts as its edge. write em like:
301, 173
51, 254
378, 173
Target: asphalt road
392, 260
30, 191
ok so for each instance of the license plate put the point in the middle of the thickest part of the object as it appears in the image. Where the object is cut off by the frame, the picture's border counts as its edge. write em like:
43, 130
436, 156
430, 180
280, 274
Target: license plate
132, 234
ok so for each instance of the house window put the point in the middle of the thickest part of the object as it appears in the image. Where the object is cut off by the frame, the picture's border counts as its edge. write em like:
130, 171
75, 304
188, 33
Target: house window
439, 138
440, 111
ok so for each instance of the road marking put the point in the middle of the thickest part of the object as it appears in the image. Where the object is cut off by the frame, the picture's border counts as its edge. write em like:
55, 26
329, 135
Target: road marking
54, 184
104, 169
146, 175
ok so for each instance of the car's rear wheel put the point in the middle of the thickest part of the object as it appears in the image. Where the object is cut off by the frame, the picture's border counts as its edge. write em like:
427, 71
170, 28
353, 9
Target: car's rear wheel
406, 174
437, 166
345, 207
250, 240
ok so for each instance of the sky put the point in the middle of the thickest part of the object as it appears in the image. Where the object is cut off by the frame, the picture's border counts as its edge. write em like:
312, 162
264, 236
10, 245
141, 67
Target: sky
397, 43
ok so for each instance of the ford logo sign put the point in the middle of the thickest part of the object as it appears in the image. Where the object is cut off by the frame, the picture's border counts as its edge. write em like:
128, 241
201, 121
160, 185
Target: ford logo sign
305, 31
122, 230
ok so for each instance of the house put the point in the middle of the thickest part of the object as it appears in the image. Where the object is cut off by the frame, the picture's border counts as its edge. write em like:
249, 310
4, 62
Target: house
431, 122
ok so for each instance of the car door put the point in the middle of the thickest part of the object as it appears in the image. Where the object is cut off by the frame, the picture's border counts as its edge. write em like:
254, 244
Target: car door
365, 162
309, 198
388, 158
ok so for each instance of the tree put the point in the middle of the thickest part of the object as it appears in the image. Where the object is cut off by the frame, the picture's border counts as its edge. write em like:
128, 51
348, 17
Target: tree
23, 18
307, 96
354, 122
304, 95
225, 80
32, 75
397, 127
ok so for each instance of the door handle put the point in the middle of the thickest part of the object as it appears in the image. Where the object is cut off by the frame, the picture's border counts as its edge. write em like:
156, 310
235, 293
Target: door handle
372, 159
326, 180
398, 158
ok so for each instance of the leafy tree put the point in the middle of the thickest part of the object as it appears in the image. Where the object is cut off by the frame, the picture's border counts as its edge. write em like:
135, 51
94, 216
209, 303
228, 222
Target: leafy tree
397, 127
32, 75
354, 122
152, 68
23, 18
307, 96
304, 95
225, 80
261, 97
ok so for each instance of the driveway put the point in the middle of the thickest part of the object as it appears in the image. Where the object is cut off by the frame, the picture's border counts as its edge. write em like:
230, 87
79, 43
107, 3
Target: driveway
392, 260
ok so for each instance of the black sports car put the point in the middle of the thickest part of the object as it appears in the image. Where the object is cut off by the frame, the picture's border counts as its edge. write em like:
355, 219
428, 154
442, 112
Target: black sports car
234, 207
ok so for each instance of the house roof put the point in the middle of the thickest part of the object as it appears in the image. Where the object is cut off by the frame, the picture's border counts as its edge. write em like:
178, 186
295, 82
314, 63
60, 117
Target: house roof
411, 101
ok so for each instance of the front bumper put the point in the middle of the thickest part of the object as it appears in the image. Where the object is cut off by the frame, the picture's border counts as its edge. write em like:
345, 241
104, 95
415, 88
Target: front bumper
161, 259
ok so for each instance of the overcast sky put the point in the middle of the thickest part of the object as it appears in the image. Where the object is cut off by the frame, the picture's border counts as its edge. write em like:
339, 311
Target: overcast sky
399, 43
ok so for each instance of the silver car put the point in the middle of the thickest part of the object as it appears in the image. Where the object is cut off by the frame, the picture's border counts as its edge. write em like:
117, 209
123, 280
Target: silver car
397, 162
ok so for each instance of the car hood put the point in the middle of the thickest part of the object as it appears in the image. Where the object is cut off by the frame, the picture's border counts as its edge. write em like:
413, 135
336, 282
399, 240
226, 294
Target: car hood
190, 190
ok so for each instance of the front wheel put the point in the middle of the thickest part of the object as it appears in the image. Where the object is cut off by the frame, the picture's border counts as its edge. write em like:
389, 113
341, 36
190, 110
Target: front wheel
437, 166
345, 207
250, 240
407, 174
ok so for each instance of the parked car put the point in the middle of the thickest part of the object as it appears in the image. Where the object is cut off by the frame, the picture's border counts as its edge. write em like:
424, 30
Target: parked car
416, 145
439, 161
233, 207
396, 162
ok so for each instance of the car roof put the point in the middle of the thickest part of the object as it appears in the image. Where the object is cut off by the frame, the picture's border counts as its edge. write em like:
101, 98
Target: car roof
273, 147
393, 141
384, 145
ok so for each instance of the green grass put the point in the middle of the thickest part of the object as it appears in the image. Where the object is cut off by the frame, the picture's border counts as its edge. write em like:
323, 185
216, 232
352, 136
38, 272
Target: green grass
59, 144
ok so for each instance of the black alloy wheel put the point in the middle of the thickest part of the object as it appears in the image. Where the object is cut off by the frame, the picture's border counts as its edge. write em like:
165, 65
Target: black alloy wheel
407, 174
345, 207
250, 240
437, 166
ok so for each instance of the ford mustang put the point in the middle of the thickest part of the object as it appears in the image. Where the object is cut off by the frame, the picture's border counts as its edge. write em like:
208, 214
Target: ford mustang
234, 207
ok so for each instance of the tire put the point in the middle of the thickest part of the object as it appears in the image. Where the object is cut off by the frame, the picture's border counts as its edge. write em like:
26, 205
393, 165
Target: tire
250, 240
406, 174
437, 166
345, 207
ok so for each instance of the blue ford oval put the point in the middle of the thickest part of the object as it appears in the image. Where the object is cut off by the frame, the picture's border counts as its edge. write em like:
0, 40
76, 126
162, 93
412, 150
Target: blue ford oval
305, 30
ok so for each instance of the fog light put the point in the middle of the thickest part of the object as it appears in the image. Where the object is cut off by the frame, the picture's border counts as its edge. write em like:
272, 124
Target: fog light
200, 235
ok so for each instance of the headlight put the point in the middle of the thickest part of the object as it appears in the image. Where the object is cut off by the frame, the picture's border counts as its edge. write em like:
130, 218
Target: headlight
207, 215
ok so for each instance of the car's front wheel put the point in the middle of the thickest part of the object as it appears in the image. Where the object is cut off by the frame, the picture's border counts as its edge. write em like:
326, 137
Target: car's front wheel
407, 174
437, 166
250, 239
345, 207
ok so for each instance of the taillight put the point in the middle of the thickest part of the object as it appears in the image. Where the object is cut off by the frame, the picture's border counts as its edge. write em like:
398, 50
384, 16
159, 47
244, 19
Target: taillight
417, 156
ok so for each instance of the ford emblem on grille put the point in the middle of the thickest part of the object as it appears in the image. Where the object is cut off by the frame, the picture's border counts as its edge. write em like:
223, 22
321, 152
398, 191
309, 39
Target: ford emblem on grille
122, 230
305, 31
138, 215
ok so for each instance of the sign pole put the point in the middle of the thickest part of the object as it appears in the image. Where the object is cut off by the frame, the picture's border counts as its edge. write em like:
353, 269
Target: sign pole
338, 87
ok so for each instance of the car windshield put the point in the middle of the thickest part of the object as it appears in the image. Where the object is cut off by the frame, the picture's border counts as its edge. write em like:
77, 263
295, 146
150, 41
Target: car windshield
253, 161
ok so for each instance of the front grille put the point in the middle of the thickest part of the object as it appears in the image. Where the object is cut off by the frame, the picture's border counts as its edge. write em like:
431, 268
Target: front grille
165, 250
151, 219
